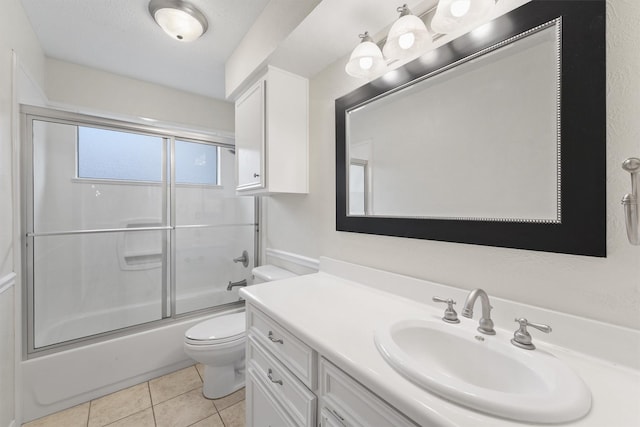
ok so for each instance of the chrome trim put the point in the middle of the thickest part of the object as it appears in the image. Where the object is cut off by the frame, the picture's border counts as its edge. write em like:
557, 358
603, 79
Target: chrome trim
522, 338
128, 330
257, 243
124, 229
68, 117
270, 376
630, 201
95, 231
274, 340
450, 315
244, 259
172, 234
232, 285
238, 224
181, 5
166, 198
485, 324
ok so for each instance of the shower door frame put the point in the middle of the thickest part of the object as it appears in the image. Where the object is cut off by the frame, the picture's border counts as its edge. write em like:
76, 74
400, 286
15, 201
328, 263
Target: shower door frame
29, 114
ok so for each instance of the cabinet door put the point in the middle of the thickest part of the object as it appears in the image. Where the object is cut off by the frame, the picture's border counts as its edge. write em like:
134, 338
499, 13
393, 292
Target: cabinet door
327, 419
262, 409
250, 138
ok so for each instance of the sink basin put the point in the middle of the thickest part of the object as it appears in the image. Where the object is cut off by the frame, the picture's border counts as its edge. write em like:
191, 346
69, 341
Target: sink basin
486, 373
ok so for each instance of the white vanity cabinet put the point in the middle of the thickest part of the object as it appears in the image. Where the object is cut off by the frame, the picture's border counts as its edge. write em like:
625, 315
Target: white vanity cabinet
281, 370
345, 402
271, 131
285, 377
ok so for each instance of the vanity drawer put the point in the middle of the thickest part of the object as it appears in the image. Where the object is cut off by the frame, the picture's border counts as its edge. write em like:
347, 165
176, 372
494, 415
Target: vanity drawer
292, 394
262, 407
346, 402
293, 353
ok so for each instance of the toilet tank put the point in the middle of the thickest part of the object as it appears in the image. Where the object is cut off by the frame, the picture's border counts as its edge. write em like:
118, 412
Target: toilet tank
269, 273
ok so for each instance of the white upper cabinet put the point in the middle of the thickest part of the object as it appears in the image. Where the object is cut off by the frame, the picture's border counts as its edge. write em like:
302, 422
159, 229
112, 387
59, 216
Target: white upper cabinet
272, 140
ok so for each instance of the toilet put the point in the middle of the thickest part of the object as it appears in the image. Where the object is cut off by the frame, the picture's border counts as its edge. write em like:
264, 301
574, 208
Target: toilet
219, 343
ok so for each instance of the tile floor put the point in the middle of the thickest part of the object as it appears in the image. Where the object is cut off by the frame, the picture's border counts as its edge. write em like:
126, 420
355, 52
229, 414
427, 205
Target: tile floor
174, 400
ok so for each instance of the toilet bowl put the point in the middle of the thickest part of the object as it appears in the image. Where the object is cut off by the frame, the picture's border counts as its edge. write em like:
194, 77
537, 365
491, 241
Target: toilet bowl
219, 343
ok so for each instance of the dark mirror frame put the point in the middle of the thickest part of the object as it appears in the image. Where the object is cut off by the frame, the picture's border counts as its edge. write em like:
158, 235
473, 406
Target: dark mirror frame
582, 230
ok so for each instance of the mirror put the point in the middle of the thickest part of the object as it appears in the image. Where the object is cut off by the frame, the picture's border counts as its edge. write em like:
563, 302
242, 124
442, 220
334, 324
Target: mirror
490, 139
463, 129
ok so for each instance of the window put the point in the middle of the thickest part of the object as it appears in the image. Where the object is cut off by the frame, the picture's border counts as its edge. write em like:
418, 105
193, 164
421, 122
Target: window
125, 156
109, 154
196, 163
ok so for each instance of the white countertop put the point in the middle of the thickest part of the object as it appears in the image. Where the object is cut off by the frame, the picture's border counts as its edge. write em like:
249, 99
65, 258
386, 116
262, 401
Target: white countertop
337, 317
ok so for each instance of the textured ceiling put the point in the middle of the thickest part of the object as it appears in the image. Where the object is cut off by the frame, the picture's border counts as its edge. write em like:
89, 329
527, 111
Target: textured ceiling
121, 37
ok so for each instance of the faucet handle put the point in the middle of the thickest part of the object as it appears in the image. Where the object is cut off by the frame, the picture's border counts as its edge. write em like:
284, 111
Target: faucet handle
450, 315
522, 338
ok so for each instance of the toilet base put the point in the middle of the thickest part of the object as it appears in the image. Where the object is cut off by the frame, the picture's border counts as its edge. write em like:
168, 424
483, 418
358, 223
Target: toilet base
220, 381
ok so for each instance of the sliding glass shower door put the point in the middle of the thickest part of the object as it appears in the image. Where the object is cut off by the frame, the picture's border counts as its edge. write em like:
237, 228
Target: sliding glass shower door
126, 225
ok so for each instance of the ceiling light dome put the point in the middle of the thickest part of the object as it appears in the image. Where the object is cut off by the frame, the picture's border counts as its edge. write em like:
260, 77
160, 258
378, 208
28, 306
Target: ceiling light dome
178, 18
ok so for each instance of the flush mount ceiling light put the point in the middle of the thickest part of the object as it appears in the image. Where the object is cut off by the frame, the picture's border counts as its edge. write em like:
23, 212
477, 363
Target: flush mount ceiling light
408, 36
366, 59
178, 18
453, 15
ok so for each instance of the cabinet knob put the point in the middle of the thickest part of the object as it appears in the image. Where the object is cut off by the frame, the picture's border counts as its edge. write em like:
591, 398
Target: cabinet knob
255, 175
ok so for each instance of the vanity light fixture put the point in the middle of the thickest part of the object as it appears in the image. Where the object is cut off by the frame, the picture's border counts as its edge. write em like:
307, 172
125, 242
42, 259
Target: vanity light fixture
453, 15
407, 37
179, 19
366, 59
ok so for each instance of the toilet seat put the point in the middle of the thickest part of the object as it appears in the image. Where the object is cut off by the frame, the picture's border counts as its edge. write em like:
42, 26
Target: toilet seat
218, 330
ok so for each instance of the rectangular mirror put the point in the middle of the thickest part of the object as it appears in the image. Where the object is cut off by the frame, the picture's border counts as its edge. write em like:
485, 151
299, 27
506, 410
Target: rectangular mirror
491, 139
458, 137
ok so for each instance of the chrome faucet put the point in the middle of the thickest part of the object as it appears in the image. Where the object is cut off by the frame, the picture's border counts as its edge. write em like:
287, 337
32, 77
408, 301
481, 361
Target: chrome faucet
232, 285
486, 324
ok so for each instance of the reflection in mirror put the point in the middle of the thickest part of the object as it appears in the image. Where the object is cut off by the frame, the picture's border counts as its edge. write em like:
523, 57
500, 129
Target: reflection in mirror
358, 193
476, 141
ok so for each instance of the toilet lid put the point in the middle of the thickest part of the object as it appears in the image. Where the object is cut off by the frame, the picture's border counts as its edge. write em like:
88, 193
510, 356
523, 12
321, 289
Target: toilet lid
225, 328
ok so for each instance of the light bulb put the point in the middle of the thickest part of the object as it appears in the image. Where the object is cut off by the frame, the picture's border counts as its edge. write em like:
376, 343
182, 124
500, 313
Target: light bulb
406, 40
460, 7
366, 62
460, 15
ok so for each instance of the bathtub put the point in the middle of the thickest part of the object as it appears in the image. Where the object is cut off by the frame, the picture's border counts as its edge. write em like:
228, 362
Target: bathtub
67, 378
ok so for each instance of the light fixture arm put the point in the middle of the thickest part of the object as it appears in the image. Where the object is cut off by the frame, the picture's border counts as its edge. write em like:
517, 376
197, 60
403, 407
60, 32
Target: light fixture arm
365, 37
403, 10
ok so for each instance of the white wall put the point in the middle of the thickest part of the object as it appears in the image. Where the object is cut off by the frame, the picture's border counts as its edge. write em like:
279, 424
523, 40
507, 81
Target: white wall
606, 289
15, 35
89, 89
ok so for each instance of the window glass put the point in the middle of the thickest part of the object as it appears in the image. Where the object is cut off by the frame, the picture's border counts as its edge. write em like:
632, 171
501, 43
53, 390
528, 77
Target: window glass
108, 154
196, 163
